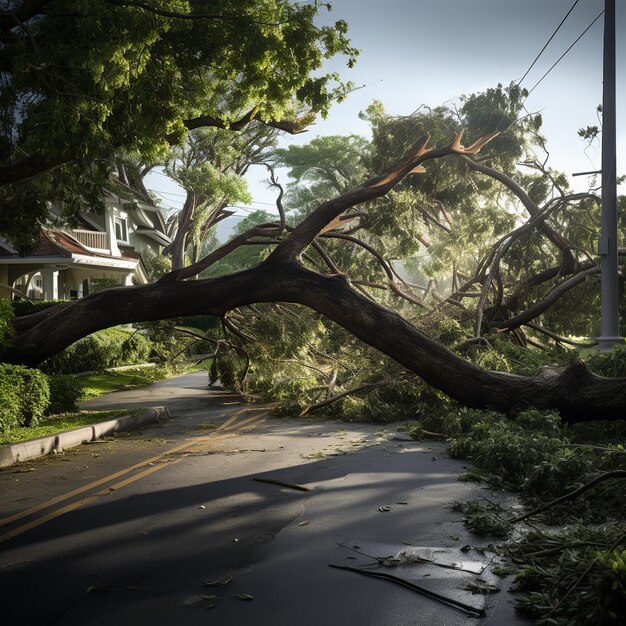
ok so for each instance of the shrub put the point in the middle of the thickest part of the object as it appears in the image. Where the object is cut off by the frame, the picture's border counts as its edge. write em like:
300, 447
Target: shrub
65, 393
6, 313
97, 352
27, 307
10, 406
24, 396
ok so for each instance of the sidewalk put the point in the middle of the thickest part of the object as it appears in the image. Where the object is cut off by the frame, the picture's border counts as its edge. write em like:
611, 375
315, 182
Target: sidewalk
178, 394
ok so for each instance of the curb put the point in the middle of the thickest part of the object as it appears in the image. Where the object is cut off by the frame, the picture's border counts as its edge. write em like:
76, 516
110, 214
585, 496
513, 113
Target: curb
12, 454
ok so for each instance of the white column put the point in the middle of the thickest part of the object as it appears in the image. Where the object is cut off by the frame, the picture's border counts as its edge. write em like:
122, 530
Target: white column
110, 226
50, 284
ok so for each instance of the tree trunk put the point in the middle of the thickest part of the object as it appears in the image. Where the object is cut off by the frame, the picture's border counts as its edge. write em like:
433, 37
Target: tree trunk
576, 393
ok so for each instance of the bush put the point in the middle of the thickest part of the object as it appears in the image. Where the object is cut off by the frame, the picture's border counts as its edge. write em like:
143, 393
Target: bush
27, 307
99, 351
24, 396
10, 406
65, 393
6, 314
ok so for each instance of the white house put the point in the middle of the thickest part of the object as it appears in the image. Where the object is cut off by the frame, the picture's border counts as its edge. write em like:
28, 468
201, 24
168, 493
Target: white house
69, 263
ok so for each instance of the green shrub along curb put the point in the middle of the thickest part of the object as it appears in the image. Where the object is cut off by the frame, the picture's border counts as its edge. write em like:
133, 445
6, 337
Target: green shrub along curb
24, 396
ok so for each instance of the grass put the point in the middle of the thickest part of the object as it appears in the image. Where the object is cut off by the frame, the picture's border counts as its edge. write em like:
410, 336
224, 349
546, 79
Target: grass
59, 423
96, 385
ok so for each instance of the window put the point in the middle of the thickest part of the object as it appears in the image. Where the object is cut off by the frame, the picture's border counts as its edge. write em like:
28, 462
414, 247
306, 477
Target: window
121, 229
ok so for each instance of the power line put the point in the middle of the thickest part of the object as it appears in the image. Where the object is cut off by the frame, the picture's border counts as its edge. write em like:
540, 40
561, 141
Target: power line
547, 44
561, 57
162, 192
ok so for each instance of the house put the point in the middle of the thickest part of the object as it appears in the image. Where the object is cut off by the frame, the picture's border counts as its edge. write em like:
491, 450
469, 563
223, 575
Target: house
70, 263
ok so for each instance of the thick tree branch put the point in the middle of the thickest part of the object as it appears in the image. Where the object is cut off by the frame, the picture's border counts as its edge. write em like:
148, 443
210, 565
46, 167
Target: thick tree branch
30, 166
35, 164
263, 230
371, 189
539, 307
21, 14
533, 209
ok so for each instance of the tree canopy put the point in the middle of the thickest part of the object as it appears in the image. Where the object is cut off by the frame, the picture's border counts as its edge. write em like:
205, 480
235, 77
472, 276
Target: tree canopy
85, 81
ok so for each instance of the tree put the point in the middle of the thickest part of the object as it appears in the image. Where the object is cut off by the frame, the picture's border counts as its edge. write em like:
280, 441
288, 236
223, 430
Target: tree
85, 81
283, 277
210, 168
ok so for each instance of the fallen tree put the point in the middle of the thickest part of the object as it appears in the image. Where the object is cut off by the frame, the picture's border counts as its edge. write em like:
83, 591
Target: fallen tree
282, 277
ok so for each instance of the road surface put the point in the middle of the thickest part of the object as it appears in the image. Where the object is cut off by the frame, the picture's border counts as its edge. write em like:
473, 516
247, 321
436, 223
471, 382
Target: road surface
170, 525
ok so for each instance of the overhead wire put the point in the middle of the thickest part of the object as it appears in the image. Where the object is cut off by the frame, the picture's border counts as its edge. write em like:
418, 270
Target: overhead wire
563, 55
519, 82
557, 61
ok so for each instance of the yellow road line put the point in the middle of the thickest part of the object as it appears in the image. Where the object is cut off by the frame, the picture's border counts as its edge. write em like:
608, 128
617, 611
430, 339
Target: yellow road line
187, 444
74, 505
228, 422
244, 422
95, 483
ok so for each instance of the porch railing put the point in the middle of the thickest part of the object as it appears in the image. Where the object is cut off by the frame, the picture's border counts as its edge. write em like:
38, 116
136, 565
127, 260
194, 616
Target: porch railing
91, 239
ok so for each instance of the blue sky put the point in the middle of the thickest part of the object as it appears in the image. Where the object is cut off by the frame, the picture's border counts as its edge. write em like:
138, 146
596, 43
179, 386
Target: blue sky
416, 52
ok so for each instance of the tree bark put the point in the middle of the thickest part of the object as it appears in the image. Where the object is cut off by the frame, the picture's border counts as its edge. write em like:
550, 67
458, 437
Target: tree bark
576, 393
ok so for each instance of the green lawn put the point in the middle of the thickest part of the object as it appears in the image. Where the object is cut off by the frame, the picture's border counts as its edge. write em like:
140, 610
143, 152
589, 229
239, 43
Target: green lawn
59, 423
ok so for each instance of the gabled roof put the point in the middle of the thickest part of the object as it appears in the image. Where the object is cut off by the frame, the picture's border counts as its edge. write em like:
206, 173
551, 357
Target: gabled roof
49, 245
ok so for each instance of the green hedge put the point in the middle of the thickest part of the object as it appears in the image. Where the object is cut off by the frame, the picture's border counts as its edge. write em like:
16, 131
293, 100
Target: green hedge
106, 348
28, 307
24, 396
6, 315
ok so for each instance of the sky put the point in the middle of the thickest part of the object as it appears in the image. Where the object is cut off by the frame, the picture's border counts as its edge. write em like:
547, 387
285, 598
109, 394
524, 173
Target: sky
428, 52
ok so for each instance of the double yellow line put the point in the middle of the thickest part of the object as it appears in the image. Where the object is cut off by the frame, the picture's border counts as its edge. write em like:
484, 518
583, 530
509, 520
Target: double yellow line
225, 431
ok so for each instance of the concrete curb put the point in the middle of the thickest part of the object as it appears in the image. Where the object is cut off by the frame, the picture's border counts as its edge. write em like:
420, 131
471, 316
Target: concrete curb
18, 452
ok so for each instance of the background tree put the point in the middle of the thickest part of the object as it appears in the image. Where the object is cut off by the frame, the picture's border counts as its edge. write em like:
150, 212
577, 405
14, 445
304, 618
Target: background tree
210, 167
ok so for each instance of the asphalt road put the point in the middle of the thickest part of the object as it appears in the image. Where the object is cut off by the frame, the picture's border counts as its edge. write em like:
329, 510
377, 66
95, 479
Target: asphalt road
130, 530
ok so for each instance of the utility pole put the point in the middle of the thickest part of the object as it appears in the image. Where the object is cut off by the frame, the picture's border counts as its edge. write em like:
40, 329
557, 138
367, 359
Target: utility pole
607, 246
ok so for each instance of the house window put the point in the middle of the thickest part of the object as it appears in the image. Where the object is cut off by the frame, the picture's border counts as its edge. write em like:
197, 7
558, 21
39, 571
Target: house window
121, 229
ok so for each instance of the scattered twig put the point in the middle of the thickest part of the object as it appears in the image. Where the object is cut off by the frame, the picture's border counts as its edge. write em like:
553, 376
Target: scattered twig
430, 433
572, 494
472, 610
282, 483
